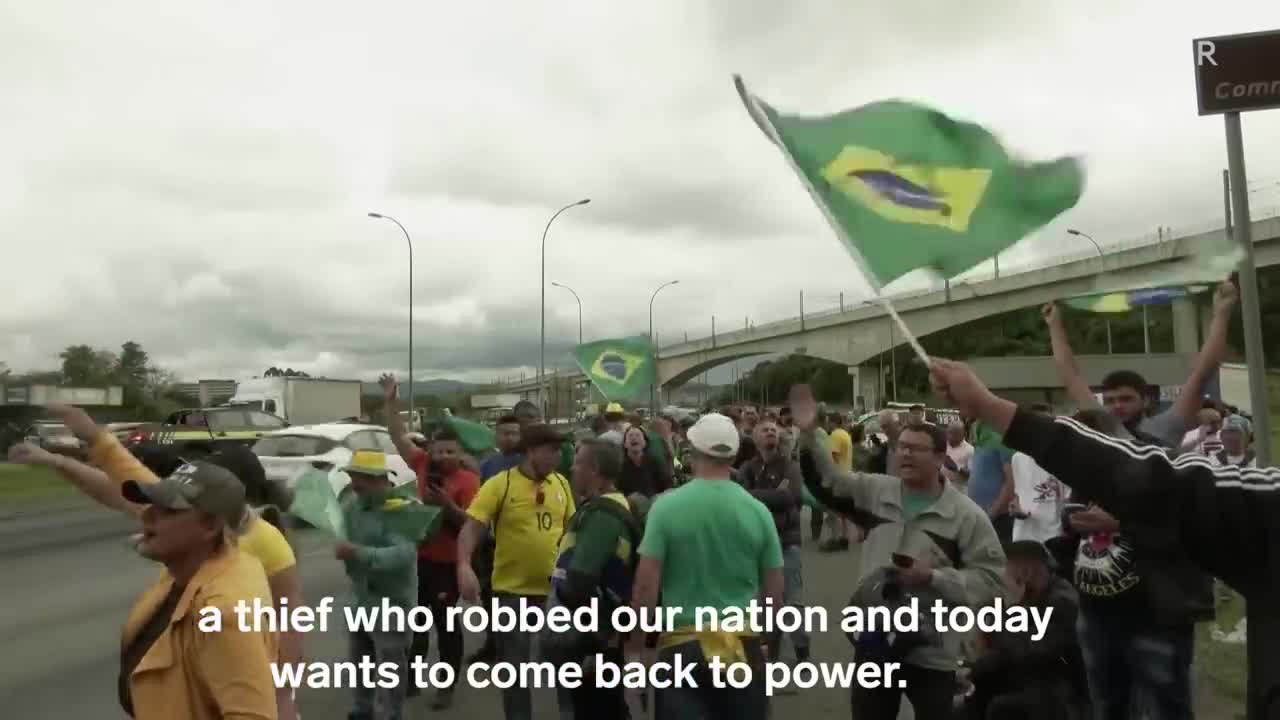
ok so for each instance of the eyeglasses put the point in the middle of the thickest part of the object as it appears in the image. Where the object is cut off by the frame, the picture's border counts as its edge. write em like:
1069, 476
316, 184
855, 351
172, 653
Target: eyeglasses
909, 449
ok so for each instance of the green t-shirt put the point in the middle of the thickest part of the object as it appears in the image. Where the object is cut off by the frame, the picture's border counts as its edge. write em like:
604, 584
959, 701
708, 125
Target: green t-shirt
985, 436
714, 541
915, 503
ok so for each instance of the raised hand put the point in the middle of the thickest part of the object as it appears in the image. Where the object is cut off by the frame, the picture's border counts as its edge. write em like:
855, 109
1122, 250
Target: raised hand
1051, 314
804, 408
1224, 298
390, 386
76, 420
958, 383
30, 454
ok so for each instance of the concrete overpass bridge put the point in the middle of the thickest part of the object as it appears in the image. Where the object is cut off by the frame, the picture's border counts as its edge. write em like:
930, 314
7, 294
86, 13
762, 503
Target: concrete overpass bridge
857, 333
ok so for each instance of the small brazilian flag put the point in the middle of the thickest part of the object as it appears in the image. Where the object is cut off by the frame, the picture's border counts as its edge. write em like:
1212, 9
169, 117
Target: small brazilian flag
1124, 301
621, 369
906, 187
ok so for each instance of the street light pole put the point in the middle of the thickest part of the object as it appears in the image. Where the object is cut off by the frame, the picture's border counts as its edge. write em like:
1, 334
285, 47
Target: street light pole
575, 297
653, 389
1077, 233
412, 418
542, 345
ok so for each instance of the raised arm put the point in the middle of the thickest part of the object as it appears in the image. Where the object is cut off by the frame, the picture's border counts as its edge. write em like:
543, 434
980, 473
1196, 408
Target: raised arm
1064, 360
1211, 355
858, 487
1220, 517
395, 425
91, 481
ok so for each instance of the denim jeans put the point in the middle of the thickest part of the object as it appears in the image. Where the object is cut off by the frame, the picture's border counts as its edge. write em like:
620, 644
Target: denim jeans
516, 647
376, 703
707, 702
793, 595
1133, 672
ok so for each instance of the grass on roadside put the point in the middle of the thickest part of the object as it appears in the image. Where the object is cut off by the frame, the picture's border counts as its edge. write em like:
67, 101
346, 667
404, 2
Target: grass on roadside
1223, 664
22, 482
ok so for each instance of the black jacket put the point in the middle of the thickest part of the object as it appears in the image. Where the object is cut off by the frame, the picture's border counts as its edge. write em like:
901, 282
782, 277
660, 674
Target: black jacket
1225, 520
648, 478
1054, 660
763, 479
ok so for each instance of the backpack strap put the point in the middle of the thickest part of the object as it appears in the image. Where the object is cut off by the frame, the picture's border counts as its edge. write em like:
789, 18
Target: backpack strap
628, 519
503, 502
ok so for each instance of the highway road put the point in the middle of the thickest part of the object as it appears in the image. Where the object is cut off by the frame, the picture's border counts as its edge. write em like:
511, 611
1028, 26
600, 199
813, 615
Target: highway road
69, 579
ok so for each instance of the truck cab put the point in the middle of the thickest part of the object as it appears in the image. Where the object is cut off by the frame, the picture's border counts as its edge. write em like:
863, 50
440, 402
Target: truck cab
265, 394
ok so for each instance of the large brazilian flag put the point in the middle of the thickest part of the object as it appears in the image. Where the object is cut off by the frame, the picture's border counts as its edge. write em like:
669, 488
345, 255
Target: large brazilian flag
906, 187
621, 369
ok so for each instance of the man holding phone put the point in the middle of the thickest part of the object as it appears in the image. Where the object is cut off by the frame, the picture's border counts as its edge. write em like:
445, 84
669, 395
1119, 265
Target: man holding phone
925, 540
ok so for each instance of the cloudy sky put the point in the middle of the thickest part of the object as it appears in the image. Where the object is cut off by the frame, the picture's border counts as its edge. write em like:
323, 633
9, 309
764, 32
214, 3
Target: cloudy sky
198, 181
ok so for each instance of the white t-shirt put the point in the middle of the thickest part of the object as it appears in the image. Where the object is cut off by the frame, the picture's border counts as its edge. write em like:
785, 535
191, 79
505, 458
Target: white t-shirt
1041, 496
1235, 460
962, 456
1210, 445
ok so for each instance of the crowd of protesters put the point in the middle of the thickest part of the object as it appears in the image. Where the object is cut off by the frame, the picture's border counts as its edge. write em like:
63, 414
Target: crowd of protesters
1116, 518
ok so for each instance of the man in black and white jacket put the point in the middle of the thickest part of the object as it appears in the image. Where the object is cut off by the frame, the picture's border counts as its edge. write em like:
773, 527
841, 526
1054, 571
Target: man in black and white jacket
1226, 519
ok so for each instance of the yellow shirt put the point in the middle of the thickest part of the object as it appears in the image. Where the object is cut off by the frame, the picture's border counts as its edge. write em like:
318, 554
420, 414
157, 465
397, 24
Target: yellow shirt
842, 449
528, 532
199, 675
262, 540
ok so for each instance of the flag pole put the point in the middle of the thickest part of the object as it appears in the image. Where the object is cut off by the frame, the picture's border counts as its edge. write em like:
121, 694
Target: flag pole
762, 121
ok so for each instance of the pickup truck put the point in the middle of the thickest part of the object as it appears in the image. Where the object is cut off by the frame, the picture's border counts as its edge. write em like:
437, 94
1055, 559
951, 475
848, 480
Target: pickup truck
201, 430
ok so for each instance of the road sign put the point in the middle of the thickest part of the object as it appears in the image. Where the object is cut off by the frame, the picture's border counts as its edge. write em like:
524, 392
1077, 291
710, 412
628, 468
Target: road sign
1237, 73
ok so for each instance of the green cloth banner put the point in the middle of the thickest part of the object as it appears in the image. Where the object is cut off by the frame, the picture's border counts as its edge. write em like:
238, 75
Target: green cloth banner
906, 187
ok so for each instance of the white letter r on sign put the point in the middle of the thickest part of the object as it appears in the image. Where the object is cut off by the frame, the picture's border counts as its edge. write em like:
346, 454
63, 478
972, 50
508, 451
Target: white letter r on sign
1204, 51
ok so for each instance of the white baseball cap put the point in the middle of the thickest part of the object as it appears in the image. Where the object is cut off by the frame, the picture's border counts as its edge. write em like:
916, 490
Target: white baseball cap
716, 436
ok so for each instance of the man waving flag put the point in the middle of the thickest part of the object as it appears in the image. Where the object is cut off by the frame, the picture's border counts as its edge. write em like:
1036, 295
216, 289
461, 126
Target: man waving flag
907, 187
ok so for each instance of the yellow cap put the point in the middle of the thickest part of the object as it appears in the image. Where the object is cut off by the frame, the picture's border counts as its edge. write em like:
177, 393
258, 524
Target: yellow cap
368, 462
614, 409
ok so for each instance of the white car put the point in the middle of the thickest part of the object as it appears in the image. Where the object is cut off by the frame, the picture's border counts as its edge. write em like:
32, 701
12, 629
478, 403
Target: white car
287, 454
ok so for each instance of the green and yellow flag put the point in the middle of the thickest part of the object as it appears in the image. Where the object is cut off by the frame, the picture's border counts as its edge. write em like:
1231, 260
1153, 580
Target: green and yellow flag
620, 369
1124, 301
906, 187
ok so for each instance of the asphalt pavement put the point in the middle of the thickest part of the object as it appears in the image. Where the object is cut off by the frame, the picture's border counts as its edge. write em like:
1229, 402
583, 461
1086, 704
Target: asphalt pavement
68, 579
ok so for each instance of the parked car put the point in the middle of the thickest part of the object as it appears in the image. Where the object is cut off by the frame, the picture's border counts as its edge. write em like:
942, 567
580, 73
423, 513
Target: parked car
870, 422
287, 454
122, 430
55, 438
195, 432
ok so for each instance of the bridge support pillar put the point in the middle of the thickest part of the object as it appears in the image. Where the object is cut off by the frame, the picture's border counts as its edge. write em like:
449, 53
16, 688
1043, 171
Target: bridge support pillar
1186, 326
867, 385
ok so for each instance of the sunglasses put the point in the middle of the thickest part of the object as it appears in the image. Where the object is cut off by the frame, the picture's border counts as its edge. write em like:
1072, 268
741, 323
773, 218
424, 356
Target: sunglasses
541, 497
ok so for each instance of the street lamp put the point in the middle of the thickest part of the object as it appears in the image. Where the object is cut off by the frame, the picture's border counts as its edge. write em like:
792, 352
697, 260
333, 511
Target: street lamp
407, 239
575, 297
542, 345
653, 389
1077, 233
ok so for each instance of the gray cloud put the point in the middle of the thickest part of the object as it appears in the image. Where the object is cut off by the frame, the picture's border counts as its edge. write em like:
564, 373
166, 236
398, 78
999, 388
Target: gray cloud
200, 184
